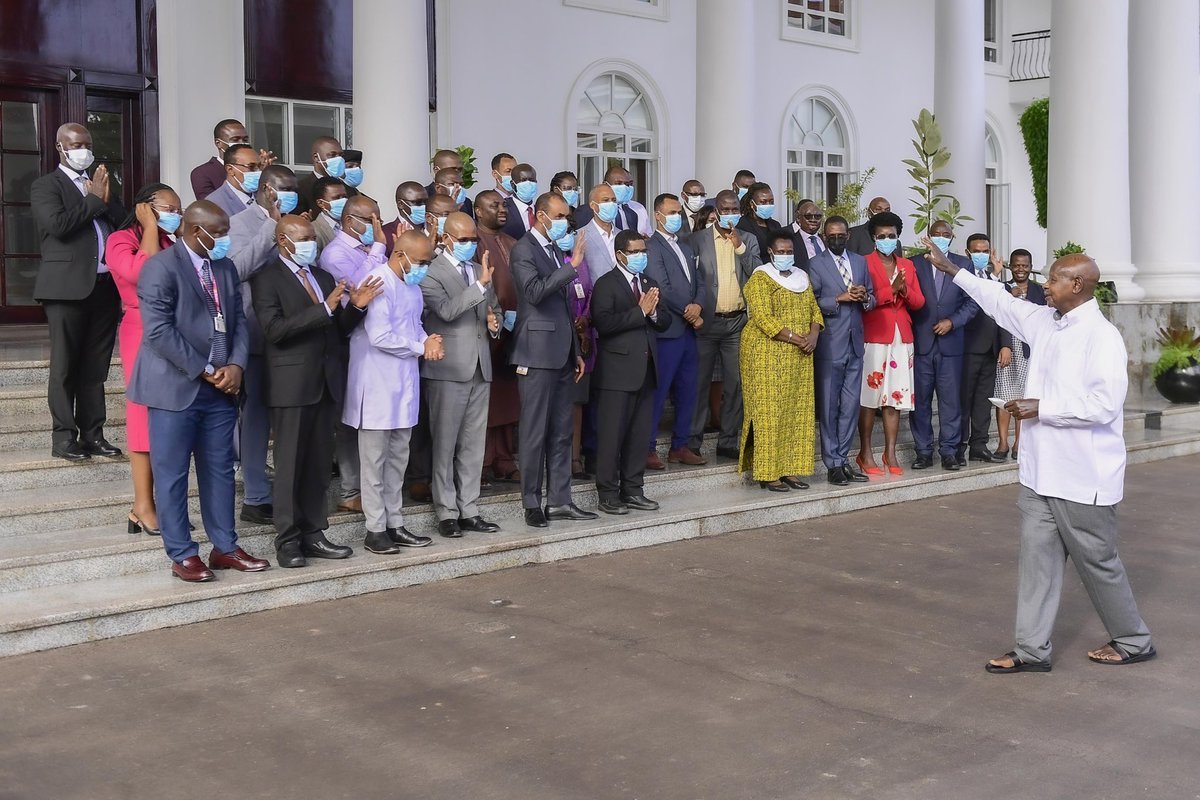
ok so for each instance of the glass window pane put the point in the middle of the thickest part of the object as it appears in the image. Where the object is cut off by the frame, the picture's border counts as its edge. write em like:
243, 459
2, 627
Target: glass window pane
348, 135
989, 20
623, 95
793, 156
816, 23
614, 143
587, 141
19, 173
308, 123
18, 121
20, 234
639, 144
106, 128
837, 27
19, 275
833, 137
638, 116
821, 116
589, 171
835, 160
600, 93
837, 6
990, 174
814, 158
266, 122
587, 113
816, 5
645, 179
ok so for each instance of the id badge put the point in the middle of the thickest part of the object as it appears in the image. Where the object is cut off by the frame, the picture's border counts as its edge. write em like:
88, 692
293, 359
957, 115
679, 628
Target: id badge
219, 323
522, 370
578, 291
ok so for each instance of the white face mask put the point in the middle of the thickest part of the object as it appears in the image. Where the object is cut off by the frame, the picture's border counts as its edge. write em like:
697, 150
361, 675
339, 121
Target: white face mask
78, 160
694, 202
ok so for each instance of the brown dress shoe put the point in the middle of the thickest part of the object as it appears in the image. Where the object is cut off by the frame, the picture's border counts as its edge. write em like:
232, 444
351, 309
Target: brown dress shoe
192, 570
351, 504
654, 462
239, 559
419, 492
685, 455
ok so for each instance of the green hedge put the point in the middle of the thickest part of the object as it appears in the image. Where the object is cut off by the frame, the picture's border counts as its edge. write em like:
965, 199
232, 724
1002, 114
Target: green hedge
1035, 129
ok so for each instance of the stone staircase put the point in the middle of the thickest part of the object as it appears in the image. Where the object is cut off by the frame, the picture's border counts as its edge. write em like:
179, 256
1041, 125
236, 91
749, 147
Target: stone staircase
69, 572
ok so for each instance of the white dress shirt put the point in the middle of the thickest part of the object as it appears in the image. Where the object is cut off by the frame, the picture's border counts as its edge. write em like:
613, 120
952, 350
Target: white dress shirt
673, 240
1075, 448
523, 210
80, 180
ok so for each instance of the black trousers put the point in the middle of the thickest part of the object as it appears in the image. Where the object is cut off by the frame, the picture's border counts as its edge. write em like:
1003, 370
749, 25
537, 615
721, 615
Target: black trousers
978, 384
82, 334
623, 425
544, 434
303, 452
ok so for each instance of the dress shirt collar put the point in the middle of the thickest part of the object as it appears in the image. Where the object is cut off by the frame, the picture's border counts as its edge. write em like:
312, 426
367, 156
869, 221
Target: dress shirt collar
542, 240
244, 196
521, 206
72, 174
347, 240
670, 237
611, 233
1084, 313
293, 266
197, 259
629, 276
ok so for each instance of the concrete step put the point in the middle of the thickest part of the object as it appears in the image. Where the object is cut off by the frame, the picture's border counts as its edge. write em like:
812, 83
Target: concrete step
32, 430
89, 602
37, 373
31, 399
36, 468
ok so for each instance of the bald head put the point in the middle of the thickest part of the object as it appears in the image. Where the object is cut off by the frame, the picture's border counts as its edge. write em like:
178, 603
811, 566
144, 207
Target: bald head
71, 129
294, 227
446, 159
441, 205
203, 223
361, 206
72, 136
878, 205
415, 246
460, 226
602, 194
202, 212
1071, 282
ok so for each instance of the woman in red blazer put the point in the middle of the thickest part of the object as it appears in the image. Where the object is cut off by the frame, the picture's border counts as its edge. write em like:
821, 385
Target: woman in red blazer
888, 343
156, 213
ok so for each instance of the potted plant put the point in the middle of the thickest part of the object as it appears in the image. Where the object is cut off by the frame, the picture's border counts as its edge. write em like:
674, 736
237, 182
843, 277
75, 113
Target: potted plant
1176, 374
1106, 291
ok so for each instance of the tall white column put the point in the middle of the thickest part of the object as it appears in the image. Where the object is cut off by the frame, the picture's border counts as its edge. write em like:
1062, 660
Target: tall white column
724, 119
1088, 184
1164, 130
958, 104
189, 105
391, 97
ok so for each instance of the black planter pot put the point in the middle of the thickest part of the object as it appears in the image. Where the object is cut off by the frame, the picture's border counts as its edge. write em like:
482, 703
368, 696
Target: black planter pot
1180, 385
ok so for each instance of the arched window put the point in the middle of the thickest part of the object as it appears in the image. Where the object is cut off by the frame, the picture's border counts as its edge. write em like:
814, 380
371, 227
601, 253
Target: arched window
995, 193
615, 124
816, 152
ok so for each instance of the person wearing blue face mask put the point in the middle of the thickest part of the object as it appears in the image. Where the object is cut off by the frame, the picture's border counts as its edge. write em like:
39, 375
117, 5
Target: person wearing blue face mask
628, 317
545, 352
757, 209
242, 174
448, 180
354, 171
327, 161
981, 350
519, 204
330, 196
742, 181
566, 184
438, 208
630, 215
502, 167
411, 203
938, 330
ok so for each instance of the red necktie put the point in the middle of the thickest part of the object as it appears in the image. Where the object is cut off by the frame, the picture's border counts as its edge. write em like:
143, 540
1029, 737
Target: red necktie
637, 290
529, 217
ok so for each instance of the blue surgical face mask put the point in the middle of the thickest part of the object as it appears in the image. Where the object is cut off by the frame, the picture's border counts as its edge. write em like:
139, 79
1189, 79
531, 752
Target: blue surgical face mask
765, 210
557, 229
417, 214
367, 237
566, 242
353, 176
526, 191
286, 201
672, 222
941, 243
606, 211
742, 191
441, 225
886, 246
465, 251
624, 192
571, 196
305, 254
980, 260
783, 262
460, 195
335, 166
250, 181
506, 183
168, 221
220, 247
336, 207
728, 220
416, 273
636, 262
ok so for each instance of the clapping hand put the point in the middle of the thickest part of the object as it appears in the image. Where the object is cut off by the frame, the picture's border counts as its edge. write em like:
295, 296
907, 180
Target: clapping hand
485, 271
997, 265
335, 296
898, 284
377, 229
434, 351
577, 252
649, 301
493, 320
265, 159
367, 291
98, 185
857, 293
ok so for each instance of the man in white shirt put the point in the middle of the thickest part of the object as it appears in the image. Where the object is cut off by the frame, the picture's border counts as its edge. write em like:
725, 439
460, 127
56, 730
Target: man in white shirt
600, 235
1072, 459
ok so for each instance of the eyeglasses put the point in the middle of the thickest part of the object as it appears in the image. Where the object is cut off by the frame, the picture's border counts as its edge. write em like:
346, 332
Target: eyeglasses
879, 237
633, 252
818, 215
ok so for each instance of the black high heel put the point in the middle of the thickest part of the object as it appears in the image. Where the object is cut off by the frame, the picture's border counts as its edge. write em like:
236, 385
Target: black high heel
137, 526
774, 486
794, 482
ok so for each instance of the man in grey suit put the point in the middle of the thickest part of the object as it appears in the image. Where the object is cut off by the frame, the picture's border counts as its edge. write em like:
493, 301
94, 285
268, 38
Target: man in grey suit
545, 352
242, 175
725, 260
252, 246
329, 195
459, 303
600, 233
844, 291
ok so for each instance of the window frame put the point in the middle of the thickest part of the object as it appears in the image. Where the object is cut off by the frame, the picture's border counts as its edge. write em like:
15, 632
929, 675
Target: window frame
646, 9
794, 33
997, 200
646, 187
845, 172
345, 128
1000, 65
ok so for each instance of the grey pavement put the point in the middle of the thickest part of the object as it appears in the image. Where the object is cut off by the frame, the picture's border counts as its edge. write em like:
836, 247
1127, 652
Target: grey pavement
833, 658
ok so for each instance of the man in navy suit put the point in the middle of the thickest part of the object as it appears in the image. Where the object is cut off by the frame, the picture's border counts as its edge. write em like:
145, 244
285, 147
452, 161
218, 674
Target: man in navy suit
844, 291
938, 333
672, 266
521, 214
981, 349
189, 374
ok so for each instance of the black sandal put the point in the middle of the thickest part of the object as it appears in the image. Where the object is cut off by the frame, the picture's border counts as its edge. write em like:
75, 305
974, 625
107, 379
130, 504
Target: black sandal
1017, 665
1126, 658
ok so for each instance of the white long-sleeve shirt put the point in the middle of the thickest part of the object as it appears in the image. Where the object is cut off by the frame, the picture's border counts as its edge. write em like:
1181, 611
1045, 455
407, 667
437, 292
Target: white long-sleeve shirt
1075, 448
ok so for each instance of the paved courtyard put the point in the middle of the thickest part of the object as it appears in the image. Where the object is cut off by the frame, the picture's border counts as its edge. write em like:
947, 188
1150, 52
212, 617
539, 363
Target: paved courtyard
836, 658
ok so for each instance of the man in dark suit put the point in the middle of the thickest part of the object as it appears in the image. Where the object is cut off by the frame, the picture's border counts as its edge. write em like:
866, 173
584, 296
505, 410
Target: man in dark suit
306, 379
844, 292
806, 233
519, 204
188, 373
981, 347
627, 316
631, 215
673, 269
207, 177
693, 197
411, 200
327, 160
545, 352
938, 341
758, 220
451, 160
860, 238
74, 216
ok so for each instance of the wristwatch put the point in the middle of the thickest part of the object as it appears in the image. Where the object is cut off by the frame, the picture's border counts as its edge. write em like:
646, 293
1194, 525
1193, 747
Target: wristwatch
209, 369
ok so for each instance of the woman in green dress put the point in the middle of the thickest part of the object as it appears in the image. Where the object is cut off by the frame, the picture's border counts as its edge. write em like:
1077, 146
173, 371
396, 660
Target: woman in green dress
779, 428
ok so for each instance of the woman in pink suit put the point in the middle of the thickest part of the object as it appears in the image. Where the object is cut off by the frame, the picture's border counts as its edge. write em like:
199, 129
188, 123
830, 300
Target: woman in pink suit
145, 232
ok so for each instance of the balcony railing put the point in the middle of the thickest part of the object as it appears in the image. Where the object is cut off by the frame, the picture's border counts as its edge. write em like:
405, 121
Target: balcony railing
1030, 56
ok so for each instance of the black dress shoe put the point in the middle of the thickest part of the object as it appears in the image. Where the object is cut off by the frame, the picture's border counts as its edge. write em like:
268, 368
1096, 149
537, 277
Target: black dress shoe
640, 502
774, 486
960, 458
259, 515
290, 555
569, 511
923, 462
404, 538
727, 452
478, 524
380, 543
616, 509
71, 451
950, 463
987, 456
320, 547
449, 528
838, 477
853, 473
795, 483
534, 518
100, 448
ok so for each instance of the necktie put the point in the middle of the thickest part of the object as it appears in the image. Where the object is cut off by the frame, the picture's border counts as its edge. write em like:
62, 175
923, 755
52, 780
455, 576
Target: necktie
219, 353
845, 270
250, 201
528, 218
816, 243
308, 286
619, 222
939, 278
466, 271
637, 290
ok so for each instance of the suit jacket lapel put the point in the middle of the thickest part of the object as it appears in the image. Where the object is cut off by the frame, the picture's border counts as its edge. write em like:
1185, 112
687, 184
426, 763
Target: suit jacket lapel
190, 277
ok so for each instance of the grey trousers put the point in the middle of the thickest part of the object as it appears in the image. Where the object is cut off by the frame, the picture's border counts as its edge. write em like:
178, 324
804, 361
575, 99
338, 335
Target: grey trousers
458, 412
720, 335
1051, 530
383, 457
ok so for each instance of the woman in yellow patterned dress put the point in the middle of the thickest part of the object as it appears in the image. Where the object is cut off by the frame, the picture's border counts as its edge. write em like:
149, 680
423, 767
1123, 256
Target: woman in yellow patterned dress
779, 428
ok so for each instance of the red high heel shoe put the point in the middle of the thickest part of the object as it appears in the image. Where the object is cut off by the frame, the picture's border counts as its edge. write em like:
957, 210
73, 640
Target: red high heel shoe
891, 467
866, 470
